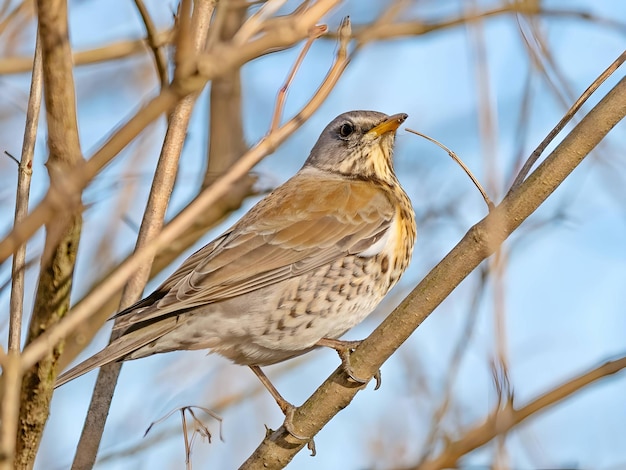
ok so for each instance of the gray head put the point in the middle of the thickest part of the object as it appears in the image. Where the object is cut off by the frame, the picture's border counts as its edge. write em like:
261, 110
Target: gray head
358, 144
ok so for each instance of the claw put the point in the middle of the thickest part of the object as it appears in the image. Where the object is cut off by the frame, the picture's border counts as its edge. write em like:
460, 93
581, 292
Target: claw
344, 349
311, 446
379, 379
288, 425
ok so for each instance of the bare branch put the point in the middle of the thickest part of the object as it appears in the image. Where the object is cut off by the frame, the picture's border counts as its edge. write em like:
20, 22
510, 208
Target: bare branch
160, 58
9, 407
503, 419
25, 172
566, 118
282, 94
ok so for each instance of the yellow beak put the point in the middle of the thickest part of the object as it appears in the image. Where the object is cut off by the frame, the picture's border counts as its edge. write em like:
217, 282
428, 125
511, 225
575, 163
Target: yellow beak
390, 124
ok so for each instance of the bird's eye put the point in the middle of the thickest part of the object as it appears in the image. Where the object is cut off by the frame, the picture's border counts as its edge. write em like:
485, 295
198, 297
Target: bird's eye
346, 129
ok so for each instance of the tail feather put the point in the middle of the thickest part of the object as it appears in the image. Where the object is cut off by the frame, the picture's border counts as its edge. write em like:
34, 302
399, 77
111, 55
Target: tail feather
119, 349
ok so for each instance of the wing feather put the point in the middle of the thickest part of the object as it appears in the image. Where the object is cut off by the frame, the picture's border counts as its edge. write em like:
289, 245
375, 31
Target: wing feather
299, 228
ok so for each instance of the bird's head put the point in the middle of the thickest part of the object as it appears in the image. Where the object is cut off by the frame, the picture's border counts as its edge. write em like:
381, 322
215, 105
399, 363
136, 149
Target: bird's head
358, 144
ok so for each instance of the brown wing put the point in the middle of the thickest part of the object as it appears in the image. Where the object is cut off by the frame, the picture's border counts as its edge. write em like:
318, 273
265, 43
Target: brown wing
306, 223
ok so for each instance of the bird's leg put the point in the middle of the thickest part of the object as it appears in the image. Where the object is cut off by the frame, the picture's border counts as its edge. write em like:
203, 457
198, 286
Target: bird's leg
344, 349
287, 408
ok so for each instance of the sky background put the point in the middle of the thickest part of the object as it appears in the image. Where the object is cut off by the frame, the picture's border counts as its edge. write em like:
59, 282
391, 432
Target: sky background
565, 278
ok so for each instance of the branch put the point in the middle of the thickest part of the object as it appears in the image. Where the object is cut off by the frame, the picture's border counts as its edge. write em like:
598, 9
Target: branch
363, 32
566, 118
503, 419
279, 447
158, 52
63, 227
25, 172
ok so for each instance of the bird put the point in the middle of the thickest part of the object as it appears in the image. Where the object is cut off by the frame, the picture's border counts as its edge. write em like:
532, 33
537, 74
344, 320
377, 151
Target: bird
302, 267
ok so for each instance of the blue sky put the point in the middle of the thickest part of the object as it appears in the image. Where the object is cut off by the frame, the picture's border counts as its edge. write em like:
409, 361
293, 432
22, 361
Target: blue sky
564, 281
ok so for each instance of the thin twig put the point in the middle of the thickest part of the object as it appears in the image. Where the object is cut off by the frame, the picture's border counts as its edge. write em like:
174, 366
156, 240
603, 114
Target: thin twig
566, 118
12, 157
454, 156
282, 94
158, 52
25, 172
204, 430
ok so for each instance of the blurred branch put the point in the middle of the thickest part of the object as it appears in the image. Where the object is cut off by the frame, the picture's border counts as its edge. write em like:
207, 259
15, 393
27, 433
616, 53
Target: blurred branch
287, 31
63, 227
158, 51
460, 348
566, 118
152, 223
362, 33
21, 8
110, 52
226, 140
489, 132
504, 418
279, 447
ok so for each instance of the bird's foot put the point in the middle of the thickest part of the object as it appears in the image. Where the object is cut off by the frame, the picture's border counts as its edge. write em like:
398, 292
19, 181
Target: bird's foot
287, 408
289, 411
345, 349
